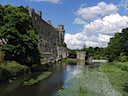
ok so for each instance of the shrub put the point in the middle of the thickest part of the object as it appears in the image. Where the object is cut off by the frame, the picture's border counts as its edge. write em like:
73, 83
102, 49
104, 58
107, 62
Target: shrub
11, 69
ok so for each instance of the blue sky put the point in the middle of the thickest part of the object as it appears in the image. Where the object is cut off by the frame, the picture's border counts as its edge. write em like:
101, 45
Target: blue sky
89, 22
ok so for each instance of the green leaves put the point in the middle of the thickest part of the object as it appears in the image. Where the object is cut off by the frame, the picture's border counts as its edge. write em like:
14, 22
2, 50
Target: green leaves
117, 45
21, 37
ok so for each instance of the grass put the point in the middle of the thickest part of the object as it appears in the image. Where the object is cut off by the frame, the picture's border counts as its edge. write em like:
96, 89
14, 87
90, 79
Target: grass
117, 74
69, 60
109, 79
37, 79
14, 68
74, 88
10, 69
110, 67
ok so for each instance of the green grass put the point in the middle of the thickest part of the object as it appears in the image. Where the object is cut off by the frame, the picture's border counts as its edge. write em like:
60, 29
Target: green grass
37, 79
13, 68
109, 68
110, 79
69, 60
74, 88
117, 74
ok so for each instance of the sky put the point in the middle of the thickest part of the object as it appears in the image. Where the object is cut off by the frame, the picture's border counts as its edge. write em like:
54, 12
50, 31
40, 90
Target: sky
86, 22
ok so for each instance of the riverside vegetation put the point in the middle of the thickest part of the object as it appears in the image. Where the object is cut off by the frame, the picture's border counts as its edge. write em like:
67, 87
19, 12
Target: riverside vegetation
36, 79
109, 79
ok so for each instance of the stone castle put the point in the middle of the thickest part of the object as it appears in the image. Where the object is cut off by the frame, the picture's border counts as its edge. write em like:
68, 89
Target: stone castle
51, 40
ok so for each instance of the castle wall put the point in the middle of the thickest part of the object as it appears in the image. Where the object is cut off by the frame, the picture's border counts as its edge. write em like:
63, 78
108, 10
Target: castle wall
50, 37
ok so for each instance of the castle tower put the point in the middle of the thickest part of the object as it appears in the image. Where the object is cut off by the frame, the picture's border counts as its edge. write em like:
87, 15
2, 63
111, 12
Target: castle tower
39, 13
61, 34
31, 11
49, 22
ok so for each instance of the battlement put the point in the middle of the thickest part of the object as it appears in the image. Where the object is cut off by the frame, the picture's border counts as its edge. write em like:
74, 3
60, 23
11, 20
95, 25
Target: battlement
61, 28
49, 22
32, 11
39, 13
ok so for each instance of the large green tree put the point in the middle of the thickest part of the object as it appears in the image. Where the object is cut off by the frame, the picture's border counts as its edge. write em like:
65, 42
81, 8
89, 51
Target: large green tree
21, 39
114, 47
118, 45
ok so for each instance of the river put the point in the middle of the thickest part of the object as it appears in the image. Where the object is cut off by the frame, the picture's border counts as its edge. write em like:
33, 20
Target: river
61, 74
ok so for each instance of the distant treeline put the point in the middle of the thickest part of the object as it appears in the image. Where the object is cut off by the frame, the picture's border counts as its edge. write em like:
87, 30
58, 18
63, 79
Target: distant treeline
117, 48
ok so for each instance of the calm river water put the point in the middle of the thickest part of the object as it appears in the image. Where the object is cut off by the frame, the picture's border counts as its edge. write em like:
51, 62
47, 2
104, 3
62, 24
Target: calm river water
61, 74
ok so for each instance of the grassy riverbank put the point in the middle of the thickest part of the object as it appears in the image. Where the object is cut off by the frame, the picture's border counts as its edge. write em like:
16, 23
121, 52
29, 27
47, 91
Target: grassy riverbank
11, 69
108, 80
35, 80
70, 60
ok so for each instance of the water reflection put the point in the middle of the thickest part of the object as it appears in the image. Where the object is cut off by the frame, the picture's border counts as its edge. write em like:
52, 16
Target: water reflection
71, 71
61, 74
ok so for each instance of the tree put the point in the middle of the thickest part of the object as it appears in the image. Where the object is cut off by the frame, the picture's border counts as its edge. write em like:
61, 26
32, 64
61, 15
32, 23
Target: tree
21, 38
114, 47
72, 54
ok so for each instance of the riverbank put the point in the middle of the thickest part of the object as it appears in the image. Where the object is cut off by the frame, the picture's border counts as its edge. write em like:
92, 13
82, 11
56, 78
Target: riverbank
9, 70
38, 78
109, 79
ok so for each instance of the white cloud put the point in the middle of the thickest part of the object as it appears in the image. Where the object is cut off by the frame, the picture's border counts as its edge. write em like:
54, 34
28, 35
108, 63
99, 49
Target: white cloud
108, 25
50, 1
97, 32
79, 21
94, 11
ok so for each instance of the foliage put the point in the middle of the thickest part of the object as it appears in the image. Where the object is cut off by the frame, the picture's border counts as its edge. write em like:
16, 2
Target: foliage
12, 69
123, 57
72, 54
21, 39
117, 75
96, 52
37, 79
118, 46
74, 88
114, 47
110, 67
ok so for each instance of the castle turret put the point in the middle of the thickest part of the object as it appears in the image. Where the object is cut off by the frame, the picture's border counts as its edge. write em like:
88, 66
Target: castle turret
39, 13
31, 11
49, 22
61, 34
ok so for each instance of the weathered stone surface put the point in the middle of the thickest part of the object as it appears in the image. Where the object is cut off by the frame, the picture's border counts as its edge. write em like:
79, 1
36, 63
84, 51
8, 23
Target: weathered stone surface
81, 55
50, 38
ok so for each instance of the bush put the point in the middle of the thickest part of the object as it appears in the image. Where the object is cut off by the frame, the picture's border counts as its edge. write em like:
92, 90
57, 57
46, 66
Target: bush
10, 69
72, 54
123, 57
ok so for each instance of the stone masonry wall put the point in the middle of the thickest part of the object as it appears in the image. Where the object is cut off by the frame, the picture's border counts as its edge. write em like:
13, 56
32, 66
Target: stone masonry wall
81, 55
50, 37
